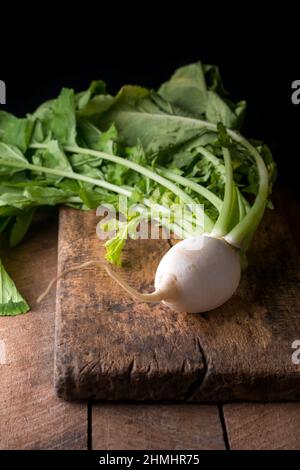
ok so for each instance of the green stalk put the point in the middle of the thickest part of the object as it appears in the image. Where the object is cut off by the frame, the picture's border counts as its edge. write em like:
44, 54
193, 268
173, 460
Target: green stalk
222, 224
208, 224
186, 225
68, 174
210, 196
219, 166
146, 172
211, 158
234, 217
76, 176
241, 205
240, 235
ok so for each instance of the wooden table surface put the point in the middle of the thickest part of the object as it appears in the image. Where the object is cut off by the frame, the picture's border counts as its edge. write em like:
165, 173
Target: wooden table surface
32, 417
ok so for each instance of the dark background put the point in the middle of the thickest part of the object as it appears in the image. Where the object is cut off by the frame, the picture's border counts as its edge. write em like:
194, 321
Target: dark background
258, 56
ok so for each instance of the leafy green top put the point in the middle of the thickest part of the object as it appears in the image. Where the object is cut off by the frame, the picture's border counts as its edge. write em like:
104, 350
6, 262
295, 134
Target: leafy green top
162, 147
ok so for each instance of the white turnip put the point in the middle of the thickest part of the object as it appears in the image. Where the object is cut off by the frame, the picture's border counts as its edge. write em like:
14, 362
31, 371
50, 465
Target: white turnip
196, 275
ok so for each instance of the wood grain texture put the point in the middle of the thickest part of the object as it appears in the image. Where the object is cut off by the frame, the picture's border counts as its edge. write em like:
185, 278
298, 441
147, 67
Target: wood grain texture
172, 427
248, 341
31, 416
111, 347
257, 426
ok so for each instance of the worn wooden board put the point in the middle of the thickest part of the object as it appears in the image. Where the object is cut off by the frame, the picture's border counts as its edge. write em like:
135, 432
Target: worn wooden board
111, 347
148, 427
31, 416
258, 426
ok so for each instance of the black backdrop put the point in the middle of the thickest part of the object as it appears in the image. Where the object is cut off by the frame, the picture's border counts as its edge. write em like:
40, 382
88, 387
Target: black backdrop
257, 55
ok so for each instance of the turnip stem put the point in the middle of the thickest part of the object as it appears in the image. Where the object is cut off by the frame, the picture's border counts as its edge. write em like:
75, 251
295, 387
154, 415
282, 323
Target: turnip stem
146, 172
239, 236
221, 168
222, 224
240, 233
209, 195
208, 224
76, 176
241, 205
211, 158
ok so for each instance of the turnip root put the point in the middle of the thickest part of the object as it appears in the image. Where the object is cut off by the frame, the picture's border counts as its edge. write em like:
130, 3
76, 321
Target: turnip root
207, 272
196, 275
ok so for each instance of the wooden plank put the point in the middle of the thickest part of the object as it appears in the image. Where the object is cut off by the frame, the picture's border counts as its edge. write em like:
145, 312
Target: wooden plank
172, 427
111, 347
31, 416
263, 426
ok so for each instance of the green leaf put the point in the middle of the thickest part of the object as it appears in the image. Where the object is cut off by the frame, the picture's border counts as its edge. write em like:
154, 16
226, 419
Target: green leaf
114, 248
39, 134
58, 118
53, 157
97, 87
224, 138
186, 153
89, 166
141, 115
13, 196
97, 105
20, 227
217, 110
44, 110
63, 121
213, 79
11, 301
9, 153
270, 164
15, 131
48, 196
187, 89
92, 137
172, 130
198, 91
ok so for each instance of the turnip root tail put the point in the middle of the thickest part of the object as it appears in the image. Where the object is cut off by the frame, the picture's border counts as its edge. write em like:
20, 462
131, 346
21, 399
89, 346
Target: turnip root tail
59, 276
168, 293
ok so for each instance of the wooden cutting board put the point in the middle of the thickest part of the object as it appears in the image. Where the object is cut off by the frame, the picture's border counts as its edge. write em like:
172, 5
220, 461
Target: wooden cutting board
111, 347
